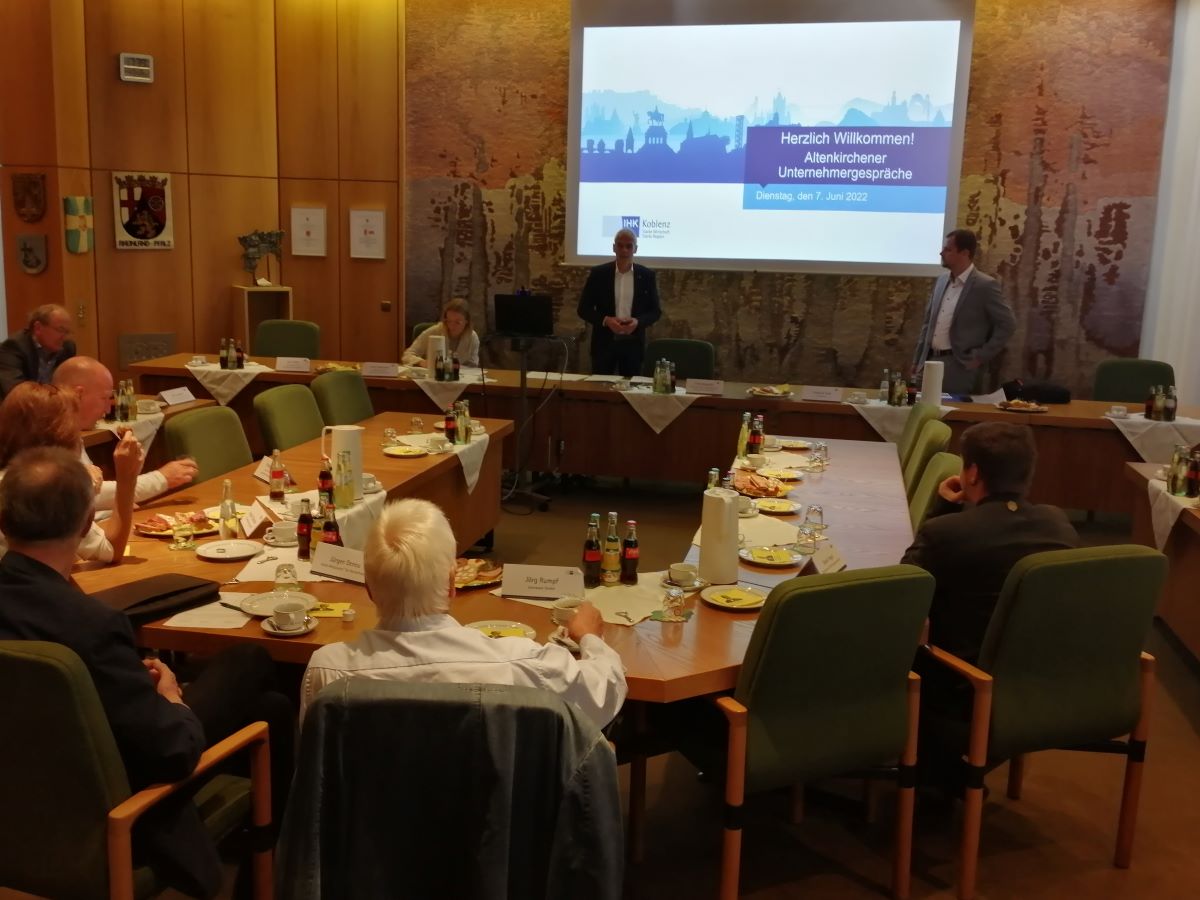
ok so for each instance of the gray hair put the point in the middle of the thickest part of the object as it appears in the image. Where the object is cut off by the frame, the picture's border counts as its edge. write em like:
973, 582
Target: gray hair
408, 561
46, 495
43, 313
628, 232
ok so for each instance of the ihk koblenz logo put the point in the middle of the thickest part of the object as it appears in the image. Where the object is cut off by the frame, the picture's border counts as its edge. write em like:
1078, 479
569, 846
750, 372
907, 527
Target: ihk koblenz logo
613, 224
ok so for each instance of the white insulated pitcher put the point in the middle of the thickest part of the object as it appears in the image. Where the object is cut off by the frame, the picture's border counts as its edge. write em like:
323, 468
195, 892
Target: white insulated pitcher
346, 437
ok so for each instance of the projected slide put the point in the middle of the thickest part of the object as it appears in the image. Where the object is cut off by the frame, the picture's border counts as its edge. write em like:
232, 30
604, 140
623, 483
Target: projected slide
824, 142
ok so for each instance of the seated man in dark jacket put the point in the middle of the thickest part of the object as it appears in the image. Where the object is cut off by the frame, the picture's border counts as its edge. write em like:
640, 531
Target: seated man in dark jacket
46, 505
34, 354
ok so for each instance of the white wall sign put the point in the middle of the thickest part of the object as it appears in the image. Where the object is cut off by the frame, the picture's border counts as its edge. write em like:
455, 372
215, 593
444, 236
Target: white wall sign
308, 231
368, 234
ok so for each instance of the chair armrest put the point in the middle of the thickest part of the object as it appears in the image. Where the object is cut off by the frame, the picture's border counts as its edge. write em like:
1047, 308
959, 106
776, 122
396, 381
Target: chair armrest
976, 676
735, 762
734, 712
981, 703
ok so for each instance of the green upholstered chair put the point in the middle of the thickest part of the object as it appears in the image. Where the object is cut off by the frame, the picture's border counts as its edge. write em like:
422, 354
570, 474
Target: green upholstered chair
918, 415
1129, 380
342, 397
933, 438
693, 359
1061, 667
287, 337
287, 416
68, 808
419, 327
825, 690
213, 437
939, 468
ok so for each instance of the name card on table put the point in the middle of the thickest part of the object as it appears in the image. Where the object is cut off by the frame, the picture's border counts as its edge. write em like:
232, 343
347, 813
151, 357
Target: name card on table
826, 394
380, 370
338, 562
824, 561
713, 387
263, 472
292, 364
175, 396
254, 518
541, 582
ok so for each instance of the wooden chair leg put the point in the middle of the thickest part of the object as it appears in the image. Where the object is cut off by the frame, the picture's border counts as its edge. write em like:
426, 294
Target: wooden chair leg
1132, 790
1016, 776
262, 863
797, 804
906, 796
735, 796
731, 863
969, 849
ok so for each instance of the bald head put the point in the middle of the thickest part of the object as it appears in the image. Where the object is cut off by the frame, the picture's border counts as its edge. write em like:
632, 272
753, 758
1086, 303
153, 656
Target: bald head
31, 477
92, 383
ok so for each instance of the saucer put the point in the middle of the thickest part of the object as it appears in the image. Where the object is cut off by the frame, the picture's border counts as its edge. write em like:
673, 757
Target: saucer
498, 628
221, 551
309, 624
373, 490
275, 542
263, 605
696, 585
748, 513
781, 556
1112, 415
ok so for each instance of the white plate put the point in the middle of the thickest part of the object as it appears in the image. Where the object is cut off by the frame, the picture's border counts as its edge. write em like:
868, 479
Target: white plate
791, 510
220, 551
795, 445
710, 595
264, 604
404, 451
797, 559
781, 474
269, 627
493, 625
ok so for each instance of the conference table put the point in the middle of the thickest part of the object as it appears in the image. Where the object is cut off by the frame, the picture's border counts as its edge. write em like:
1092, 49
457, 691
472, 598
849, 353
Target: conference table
587, 428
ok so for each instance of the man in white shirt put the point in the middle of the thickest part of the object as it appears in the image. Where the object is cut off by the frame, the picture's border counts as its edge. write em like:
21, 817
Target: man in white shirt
409, 565
967, 323
93, 385
620, 300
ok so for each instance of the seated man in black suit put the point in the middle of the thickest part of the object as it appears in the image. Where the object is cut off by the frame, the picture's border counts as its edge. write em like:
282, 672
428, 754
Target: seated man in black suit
160, 728
620, 300
34, 354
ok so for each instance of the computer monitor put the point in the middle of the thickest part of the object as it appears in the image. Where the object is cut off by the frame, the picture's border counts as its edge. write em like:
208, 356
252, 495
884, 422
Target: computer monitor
524, 315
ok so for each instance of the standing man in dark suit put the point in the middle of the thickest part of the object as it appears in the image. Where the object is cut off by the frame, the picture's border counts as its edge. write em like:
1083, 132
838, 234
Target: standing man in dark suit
34, 354
967, 322
620, 300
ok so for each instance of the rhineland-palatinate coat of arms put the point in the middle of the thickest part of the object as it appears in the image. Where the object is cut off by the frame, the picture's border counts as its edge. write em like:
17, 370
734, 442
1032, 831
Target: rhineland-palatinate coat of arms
142, 211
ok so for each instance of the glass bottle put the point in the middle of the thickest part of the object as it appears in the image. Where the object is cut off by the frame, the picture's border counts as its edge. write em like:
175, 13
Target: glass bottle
228, 524
591, 553
451, 423
343, 482
1170, 405
110, 415
1160, 403
630, 554
304, 529
1193, 475
1149, 411
743, 436
131, 400
714, 477
122, 403
456, 366
754, 442
278, 483
610, 557
330, 532
671, 369
223, 357
885, 387
325, 484
239, 355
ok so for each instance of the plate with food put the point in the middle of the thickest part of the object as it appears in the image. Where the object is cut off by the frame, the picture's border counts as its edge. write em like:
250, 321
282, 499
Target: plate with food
785, 444
788, 474
770, 390
403, 451
163, 525
735, 597
777, 506
500, 628
754, 484
1021, 406
337, 367
476, 573
772, 556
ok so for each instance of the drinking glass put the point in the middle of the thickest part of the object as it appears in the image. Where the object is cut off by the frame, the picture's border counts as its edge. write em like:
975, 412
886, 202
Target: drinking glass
806, 541
814, 518
416, 425
673, 603
820, 454
286, 580
182, 534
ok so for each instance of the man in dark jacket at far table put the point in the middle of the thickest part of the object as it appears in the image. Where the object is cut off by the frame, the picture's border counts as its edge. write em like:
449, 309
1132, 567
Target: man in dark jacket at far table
34, 354
620, 300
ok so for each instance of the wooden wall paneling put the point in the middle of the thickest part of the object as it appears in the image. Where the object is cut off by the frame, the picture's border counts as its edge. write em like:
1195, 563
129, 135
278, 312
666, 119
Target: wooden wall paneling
306, 77
230, 83
142, 290
26, 67
70, 78
222, 208
368, 89
368, 331
24, 292
136, 126
314, 279
78, 269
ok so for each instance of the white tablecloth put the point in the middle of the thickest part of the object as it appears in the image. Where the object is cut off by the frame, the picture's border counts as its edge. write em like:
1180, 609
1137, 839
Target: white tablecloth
1155, 441
658, 410
888, 421
442, 393
225, 384
761, 530
1165, 509
354, 523
470, 456
144, 427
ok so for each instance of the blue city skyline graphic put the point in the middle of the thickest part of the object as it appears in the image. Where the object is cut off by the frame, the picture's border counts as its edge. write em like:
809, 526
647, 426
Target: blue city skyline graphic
639, 136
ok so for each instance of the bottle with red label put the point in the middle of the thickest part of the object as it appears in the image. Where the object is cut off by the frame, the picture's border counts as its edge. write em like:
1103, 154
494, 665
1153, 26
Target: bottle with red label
278, 482
630, 554
325, 484
451, 423
330, 532
304, 528
754, 442
591, 553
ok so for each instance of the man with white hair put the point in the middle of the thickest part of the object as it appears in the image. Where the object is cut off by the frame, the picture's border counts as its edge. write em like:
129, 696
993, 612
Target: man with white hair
409, 564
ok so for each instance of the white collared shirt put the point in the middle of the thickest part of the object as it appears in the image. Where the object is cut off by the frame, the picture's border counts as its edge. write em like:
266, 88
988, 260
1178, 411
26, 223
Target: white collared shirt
623, 293
941, 329
149, 486
437, 649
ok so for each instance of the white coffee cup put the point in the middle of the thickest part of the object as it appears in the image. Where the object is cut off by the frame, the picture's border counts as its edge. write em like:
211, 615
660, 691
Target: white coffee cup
745, 504
370, 482
282, 533
289, 616
477, 427
771, 441
147, 407
683, 574
857, 397
563, 610
756, 460
438, 442
1118, 412
198, 360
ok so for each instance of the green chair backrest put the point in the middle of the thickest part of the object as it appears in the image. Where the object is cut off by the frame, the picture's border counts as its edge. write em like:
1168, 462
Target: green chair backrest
825, 674
933, 439
419, 327
693, 359
213, 437
917, 416
1064, 645
342, 397
1129, 380
64, 773
940, 467
287, 337
287, 416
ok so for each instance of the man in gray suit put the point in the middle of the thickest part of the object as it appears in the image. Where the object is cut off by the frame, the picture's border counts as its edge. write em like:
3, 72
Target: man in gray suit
967, 322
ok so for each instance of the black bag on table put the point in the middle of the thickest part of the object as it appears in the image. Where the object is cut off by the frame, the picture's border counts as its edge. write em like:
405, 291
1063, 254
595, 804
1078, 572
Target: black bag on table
152, 598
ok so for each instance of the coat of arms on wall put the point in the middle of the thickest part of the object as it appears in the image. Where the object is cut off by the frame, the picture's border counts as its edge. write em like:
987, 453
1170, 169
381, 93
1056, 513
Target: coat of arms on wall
142, 211
77, 219
31, 253
29, 195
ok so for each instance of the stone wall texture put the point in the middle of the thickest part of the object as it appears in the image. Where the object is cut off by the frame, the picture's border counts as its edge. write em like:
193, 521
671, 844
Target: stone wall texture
1060, 172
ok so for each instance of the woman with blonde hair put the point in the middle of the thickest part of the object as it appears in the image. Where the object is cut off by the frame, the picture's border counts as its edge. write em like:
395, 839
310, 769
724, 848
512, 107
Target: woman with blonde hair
460, 337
